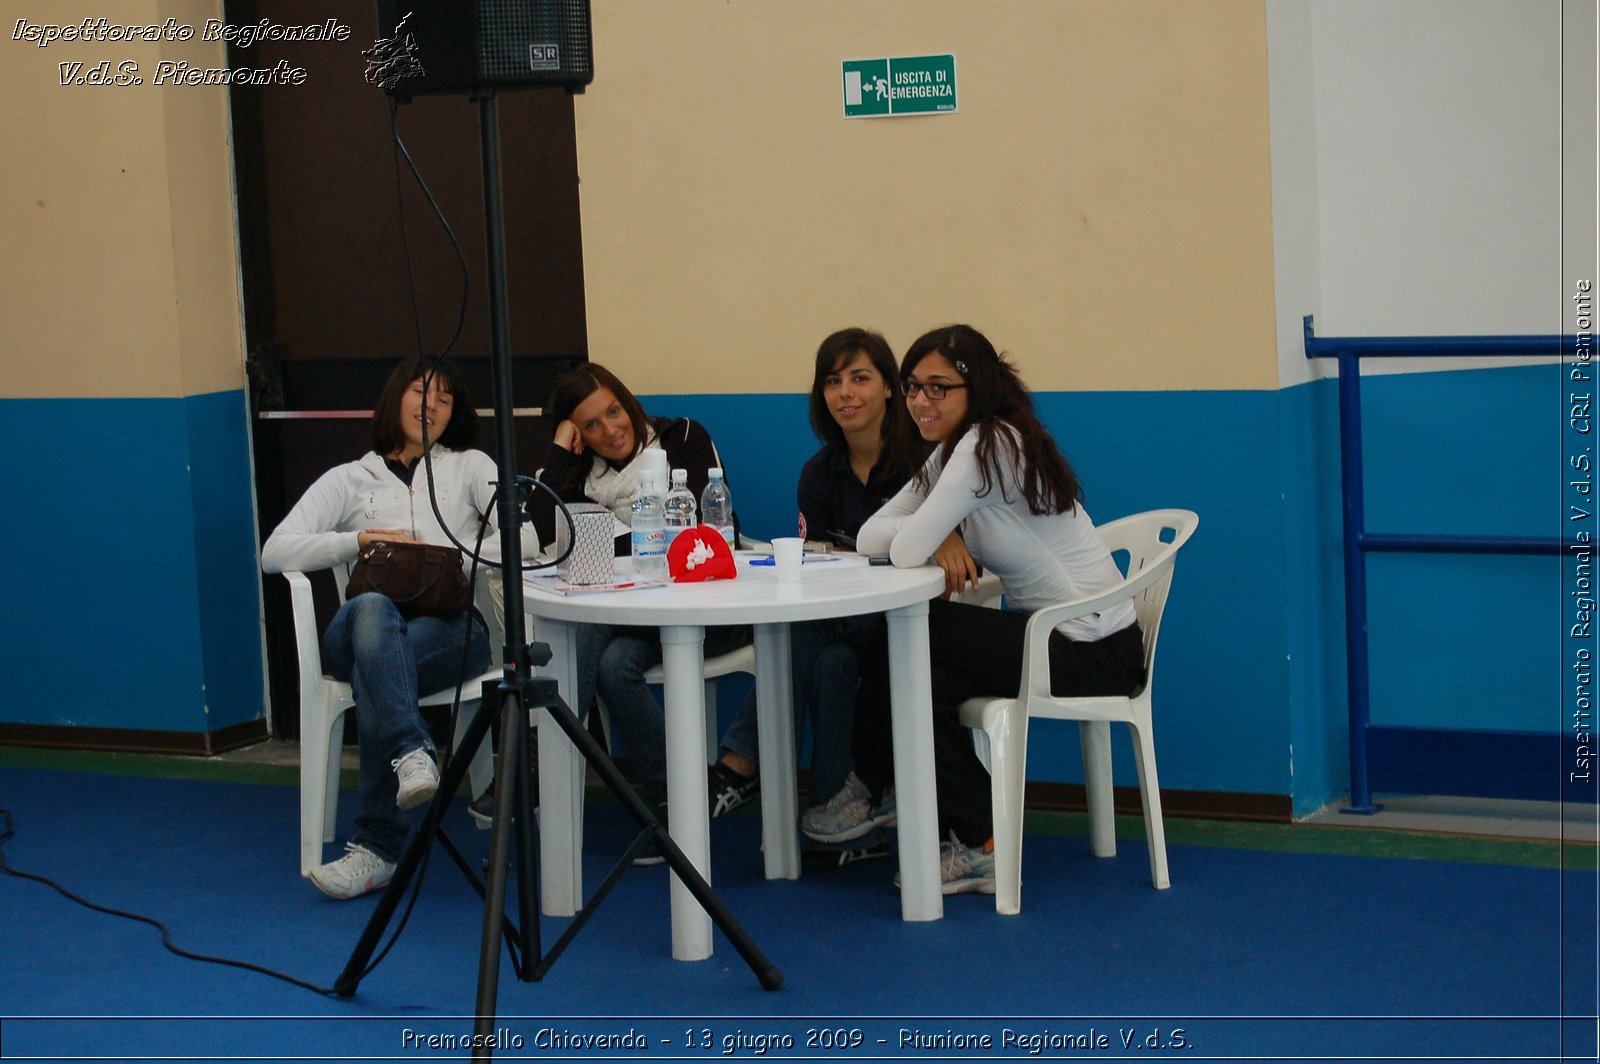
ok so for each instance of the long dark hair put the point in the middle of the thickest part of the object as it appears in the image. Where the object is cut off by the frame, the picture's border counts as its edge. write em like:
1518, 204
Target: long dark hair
832, 355
462, 431
997, 400
576, 385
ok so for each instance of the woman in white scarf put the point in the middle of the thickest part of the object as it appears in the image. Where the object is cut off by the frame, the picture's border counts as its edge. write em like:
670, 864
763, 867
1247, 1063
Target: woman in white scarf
601, 432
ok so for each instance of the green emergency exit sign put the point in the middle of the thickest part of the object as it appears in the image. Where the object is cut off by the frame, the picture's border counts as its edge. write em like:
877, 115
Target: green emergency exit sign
900, 85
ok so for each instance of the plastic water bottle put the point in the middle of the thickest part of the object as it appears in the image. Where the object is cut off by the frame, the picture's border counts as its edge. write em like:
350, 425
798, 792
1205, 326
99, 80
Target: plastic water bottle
716, 505
649, 530
679, 507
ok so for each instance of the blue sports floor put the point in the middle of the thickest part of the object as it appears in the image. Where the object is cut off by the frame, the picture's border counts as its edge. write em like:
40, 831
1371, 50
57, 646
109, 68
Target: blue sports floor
1275, 942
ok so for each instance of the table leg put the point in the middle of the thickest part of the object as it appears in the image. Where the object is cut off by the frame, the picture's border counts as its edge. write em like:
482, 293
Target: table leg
683, 668
775, 734
911, 705
561, 777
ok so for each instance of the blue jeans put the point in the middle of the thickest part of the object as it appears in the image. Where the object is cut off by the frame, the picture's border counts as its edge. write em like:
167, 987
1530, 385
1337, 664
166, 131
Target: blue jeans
612, 659
825, 658
389, 663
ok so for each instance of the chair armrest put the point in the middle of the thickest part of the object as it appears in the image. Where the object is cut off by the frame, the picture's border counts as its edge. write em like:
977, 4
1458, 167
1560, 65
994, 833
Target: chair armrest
989, 591
1036, 640
307, 646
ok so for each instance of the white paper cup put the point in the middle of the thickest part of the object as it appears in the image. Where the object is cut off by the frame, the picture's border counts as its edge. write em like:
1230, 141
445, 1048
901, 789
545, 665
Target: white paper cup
786, 555
654, 460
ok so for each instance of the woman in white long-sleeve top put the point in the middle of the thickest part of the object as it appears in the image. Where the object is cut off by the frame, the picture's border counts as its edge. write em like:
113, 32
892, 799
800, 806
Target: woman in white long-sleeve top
997, 494
391, 661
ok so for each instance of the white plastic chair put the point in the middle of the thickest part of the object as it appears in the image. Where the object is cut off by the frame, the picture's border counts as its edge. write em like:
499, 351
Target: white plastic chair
324, 702
989, 592
1003, 722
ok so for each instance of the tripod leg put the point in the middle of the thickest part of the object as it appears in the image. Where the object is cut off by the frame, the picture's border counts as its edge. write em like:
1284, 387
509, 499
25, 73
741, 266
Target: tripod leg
507, 771
356, 967
527, 847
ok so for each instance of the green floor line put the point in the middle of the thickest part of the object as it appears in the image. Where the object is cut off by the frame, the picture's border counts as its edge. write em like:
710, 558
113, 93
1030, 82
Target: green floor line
1334, 841
1239, 835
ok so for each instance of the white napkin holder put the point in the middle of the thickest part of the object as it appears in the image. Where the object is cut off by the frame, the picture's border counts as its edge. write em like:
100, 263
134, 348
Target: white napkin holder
593, 559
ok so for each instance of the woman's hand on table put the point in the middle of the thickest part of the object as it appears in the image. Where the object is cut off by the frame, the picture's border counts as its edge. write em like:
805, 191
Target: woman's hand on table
960, 568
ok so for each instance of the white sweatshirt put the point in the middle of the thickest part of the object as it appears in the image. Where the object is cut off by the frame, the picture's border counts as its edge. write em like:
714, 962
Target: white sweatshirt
1042, 560
321, 530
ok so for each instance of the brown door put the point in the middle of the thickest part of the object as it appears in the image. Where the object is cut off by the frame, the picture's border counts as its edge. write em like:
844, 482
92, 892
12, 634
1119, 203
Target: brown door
348, 268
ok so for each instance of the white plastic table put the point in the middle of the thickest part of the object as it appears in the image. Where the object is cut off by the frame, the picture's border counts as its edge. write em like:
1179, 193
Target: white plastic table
843, 587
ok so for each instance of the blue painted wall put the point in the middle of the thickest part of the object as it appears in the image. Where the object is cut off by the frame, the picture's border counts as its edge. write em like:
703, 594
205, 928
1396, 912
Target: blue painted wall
133, 600
1250, 679
1222, 676
1314, 607
1466, 642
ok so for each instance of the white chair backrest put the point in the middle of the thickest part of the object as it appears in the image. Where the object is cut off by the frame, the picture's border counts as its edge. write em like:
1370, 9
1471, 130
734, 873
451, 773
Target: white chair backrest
1139, 536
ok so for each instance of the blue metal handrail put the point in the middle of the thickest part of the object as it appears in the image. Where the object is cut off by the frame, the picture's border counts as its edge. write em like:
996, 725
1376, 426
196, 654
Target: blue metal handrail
1358, 541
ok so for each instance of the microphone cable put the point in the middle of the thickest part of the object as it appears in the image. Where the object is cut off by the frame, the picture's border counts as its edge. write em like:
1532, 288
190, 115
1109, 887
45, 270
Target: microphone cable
8, 831
402, 152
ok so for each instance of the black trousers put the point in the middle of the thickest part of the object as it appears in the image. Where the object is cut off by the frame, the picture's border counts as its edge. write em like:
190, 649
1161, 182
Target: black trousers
973, 651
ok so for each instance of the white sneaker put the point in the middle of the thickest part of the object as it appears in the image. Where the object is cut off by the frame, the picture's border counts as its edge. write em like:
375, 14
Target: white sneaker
358, 872
849, 814
419, 778
963, 869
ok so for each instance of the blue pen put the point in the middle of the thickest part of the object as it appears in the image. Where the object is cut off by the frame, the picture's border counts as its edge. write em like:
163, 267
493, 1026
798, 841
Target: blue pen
765, 559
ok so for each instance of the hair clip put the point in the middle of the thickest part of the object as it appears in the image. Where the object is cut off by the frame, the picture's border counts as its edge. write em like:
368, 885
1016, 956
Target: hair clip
961, 367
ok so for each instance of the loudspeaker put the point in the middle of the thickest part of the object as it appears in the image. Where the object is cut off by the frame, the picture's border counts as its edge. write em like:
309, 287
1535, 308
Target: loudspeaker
493, 44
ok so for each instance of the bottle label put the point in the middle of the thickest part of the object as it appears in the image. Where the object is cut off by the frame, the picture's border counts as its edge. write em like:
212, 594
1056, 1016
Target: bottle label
649, 541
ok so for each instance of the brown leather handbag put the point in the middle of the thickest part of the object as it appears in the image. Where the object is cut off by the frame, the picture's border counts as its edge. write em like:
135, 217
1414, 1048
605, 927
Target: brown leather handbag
423, 580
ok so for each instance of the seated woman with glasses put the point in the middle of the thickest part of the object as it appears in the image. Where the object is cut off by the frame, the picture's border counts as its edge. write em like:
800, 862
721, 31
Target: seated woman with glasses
996, 483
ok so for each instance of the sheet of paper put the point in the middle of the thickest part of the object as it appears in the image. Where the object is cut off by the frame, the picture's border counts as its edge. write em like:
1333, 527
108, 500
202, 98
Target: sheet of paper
554, 585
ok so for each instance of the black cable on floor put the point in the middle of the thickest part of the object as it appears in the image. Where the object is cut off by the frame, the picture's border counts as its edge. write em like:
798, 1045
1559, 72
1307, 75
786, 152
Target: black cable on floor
8, 831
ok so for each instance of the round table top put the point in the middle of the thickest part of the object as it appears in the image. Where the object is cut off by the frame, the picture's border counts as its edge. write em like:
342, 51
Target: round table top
836, 585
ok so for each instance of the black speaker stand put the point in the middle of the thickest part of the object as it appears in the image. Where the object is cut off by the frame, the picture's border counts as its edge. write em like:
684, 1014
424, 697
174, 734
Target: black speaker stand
519, 693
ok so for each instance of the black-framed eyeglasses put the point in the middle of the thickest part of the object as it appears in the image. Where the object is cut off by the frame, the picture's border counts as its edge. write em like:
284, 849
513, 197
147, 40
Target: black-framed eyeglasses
932, 389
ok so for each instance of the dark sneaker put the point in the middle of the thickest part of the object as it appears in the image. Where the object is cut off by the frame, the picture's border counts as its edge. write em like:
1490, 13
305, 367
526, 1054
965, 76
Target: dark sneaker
482, 807
729, 790
826, 860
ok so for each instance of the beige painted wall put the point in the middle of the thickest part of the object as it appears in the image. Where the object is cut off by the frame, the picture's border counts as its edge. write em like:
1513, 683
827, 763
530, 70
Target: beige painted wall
119, 275
1100, 205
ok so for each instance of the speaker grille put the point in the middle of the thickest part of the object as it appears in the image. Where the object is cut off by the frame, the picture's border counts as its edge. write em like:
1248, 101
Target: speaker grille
523, 39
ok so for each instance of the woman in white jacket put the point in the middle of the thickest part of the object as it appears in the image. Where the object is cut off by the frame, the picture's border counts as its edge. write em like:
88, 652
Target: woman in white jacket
995, 493
388, 660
